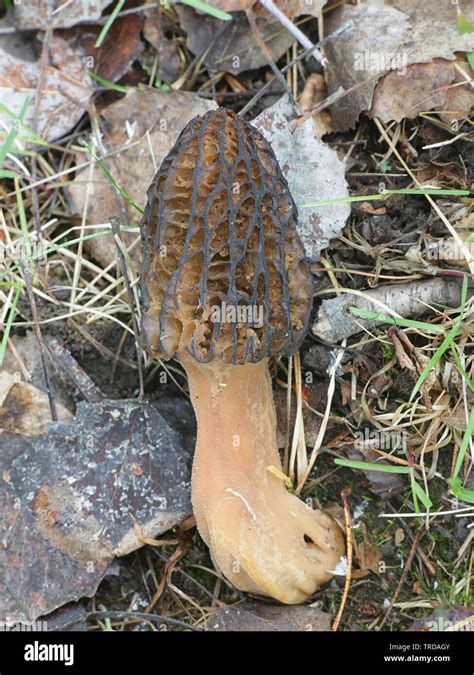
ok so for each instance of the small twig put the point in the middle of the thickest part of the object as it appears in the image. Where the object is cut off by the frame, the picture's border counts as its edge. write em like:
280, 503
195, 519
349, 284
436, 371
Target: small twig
34, 312
114, 223
422, 555
330, 100
286, 456
36, 112
404, 361
406, 569
102, 349
348, 525
68, 365
322, 429
263, 91
190, 578
21, 364
141, 616
140, 8
293, 30
62, 7
266, 52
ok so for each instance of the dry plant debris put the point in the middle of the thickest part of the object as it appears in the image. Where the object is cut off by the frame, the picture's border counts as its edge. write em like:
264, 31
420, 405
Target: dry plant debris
414, 300
380, 397
250, 616
139, 130
398, 60
66, 86
236, 50
31, 16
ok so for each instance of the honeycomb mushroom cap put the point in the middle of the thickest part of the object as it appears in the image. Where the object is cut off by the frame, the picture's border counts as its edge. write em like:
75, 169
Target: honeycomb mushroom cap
224, 272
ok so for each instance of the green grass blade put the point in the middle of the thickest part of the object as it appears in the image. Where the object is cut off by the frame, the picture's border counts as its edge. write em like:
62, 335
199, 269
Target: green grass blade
408, 323
12, 134
33, 137
440, 192
413, 493
8, 325
387, 193
464, 445
22, 217
119, 189
111, 18
448, 340
370, 466
464, 27
107, 83
4, 173
208, 9
460, 492
419, 493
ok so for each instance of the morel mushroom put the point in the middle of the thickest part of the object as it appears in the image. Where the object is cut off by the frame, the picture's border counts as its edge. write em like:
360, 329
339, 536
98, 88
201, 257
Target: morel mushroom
225, 286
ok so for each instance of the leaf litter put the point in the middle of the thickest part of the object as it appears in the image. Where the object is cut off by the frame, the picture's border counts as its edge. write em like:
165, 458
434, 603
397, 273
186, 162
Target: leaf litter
364, 381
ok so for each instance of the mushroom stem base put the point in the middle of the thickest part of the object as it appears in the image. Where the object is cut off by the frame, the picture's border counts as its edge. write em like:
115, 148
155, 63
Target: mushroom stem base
262, 538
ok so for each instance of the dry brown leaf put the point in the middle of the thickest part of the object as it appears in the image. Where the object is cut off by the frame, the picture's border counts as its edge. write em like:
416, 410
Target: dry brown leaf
432, 30
235, 50
368, 555
314, 92
250, 616
41, 15
399, 536
25, 410
66, 86
424, 87
127, 122
383, 484
392, 37
369, 208
118, 51
169, 63
313, 171
455, 419
377, 30
22, 363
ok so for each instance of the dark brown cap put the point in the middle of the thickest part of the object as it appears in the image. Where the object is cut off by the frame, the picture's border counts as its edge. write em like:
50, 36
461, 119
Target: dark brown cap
224, 273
